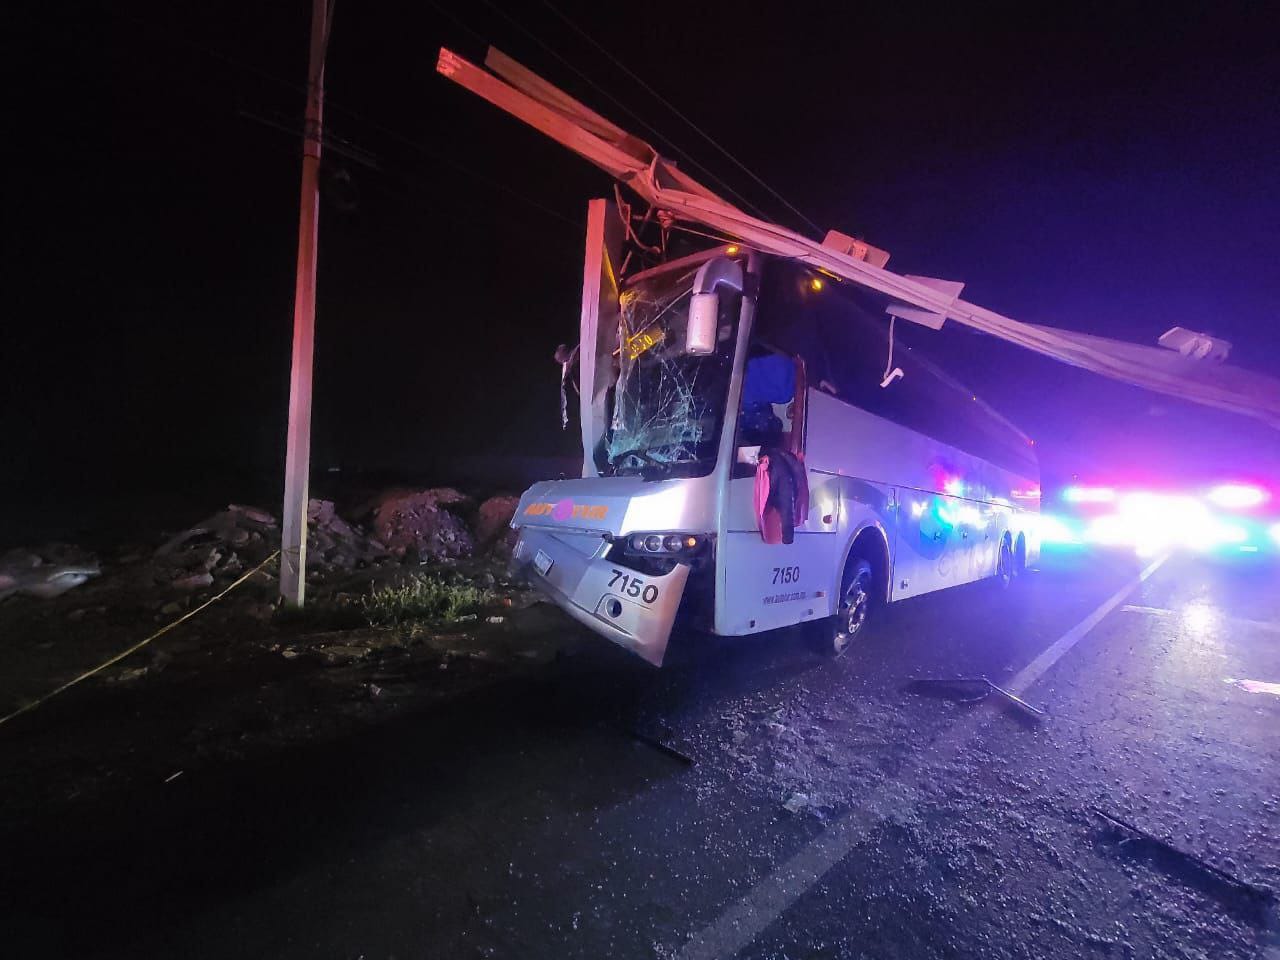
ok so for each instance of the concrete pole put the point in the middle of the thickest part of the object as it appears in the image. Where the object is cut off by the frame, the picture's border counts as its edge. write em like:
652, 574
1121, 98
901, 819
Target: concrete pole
293, 545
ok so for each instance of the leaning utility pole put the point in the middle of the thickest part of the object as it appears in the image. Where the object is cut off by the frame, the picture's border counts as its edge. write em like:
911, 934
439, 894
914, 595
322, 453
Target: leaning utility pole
297, 466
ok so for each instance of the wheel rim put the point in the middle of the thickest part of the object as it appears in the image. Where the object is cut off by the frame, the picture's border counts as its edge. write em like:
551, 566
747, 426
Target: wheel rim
1006, 563
853, 613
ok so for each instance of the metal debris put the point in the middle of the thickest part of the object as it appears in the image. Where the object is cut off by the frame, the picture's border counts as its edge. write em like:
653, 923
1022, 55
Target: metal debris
658, 745
1137, 834
46, 572
968, 690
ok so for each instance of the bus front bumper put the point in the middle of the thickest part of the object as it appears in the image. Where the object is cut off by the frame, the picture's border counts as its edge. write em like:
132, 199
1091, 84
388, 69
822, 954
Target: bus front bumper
634, 610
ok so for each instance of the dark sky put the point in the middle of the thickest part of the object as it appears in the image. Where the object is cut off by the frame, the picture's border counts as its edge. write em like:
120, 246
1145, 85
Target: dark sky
1113, 172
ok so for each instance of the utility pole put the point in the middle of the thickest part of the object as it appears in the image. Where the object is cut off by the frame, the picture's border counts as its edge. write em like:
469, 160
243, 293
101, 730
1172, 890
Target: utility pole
297, 467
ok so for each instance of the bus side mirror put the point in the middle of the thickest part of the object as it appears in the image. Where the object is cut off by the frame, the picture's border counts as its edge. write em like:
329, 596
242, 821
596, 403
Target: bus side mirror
704, 324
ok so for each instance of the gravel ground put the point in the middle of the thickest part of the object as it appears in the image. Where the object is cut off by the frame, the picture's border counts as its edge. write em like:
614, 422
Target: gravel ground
529, 813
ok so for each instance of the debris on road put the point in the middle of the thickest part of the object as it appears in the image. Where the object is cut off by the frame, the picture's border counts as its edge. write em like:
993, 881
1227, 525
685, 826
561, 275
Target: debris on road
798, 803
1165, 849
128, 674
338, 655
220, 546
46, 572
968, 690
659, 745
1255, 686
194, 581
333, 543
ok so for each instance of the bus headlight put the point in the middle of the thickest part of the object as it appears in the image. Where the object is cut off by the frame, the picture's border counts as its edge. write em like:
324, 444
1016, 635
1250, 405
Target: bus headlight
664, 544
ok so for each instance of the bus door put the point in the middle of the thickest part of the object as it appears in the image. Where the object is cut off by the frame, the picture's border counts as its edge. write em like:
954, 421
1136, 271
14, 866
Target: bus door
776, 571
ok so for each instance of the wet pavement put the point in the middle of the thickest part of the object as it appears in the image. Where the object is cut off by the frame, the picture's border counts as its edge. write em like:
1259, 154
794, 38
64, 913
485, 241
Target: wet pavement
826, 811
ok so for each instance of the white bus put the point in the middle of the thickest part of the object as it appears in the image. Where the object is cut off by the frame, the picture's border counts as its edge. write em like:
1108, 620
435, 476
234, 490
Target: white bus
718, 390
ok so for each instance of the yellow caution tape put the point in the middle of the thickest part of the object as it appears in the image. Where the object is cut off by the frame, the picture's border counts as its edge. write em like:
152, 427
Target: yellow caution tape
139, 645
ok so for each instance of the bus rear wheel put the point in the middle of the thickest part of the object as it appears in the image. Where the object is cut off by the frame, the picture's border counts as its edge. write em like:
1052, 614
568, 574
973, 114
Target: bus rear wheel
834, 635
1005, 566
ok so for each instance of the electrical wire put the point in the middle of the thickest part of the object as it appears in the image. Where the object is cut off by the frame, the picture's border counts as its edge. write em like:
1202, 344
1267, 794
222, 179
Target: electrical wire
208, 51
456, 22
719, 238
441, 158
666, 103
417, 192
393, 134
338, 106
628, 111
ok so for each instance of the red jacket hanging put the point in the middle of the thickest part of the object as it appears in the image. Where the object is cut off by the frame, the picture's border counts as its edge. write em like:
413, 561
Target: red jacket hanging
781, 495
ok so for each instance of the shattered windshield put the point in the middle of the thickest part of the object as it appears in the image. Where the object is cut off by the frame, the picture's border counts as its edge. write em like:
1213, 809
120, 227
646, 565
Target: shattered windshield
668, 404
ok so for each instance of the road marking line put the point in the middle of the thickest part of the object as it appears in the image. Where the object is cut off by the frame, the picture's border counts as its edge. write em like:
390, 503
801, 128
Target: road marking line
745, 919
1266, 625
1037, 667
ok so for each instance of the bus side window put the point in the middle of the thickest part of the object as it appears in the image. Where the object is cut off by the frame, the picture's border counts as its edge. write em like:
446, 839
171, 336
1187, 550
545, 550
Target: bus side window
768, 392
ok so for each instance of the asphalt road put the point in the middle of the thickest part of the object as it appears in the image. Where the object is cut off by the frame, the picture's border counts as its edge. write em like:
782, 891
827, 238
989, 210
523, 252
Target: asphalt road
827, 811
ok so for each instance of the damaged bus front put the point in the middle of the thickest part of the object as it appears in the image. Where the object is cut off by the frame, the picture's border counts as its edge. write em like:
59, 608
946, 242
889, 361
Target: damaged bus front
658, 360
757, 456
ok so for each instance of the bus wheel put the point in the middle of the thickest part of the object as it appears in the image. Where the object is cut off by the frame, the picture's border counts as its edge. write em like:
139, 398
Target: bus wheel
834, 635
1005, 566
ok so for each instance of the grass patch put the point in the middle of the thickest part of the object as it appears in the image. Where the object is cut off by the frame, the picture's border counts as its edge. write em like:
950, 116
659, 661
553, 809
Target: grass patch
421, 597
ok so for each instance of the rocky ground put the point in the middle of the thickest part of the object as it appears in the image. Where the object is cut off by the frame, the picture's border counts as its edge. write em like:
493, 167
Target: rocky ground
284, 676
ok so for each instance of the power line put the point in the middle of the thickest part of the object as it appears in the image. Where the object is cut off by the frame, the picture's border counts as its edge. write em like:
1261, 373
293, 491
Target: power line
447, 161
247, 67
183, 40
705, 136
622, 106
456, 22
206, 50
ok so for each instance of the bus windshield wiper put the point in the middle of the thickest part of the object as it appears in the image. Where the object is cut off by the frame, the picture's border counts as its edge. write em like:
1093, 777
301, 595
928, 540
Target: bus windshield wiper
640, 453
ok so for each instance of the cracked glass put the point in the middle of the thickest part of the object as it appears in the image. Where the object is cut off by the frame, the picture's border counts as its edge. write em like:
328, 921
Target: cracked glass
668, 404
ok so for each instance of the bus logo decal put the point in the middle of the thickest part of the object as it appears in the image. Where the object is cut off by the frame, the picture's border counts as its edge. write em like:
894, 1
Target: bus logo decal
567, 510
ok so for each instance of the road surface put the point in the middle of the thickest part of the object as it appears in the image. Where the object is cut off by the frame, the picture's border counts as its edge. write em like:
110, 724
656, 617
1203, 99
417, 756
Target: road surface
828, 810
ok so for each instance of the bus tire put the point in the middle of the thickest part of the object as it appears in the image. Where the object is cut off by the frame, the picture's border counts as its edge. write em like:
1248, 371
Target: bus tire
1006, 568
833, 636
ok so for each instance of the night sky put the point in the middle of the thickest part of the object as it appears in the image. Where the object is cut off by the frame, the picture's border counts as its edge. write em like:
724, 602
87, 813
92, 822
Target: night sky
1111, 172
